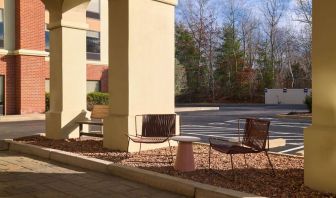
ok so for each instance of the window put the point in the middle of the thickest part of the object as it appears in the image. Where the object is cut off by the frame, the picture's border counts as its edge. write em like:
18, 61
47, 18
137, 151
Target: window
93, 10
93, 45
1, 28
47, 40
2, 98
92, 86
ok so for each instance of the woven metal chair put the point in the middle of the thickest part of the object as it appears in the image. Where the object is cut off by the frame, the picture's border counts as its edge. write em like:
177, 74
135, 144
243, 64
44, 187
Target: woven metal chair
156, 128
255, 139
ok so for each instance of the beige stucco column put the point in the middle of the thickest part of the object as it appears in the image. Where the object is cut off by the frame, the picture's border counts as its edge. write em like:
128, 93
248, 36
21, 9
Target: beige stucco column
141, 66
67, 67
104, 31
320, 138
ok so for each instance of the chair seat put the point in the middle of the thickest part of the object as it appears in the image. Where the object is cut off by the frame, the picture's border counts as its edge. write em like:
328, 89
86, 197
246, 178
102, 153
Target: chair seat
141, 139
91, 122
255, 139
233, 149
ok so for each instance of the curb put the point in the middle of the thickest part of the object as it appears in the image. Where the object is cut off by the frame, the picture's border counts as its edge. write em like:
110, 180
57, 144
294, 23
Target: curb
191, 109
157, 180
300, 153
297, 117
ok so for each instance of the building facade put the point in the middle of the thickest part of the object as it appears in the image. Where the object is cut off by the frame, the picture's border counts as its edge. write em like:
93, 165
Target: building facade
24, 54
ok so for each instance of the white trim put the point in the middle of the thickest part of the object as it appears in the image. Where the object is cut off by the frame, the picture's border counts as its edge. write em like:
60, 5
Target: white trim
27, 52
91, 62
4, 52
292, 149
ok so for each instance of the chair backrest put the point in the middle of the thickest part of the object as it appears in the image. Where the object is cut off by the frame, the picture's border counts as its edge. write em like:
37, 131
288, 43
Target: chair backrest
100, 111
256, 133
158, 125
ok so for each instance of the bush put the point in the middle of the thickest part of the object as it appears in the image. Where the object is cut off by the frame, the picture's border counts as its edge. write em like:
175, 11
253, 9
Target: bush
47, 101
96, 98
308, 102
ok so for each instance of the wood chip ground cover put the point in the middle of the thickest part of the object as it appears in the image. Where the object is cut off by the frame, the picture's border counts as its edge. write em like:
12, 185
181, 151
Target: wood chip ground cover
256, 178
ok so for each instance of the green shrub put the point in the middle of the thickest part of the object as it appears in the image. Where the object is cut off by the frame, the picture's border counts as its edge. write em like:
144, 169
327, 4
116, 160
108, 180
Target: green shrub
47, 101
94, 98
308, 102
97, 98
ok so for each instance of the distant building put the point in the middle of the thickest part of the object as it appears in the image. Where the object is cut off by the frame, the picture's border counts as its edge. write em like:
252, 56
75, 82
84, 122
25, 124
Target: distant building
24, 57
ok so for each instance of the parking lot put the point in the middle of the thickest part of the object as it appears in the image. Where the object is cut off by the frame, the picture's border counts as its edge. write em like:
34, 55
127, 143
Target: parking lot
223, 123
204, 124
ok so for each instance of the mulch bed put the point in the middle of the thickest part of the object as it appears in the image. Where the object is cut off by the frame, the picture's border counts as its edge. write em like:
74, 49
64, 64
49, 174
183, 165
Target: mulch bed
256, 178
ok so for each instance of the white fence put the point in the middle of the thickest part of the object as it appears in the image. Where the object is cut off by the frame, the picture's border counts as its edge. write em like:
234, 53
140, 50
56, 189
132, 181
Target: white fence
286, 96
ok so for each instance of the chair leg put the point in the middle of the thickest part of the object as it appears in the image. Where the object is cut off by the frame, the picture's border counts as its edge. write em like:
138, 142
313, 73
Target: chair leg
140, 148
245, 160
171, 152
127, 148
209, 157
233, 174
80, 131
231, 162
269, 160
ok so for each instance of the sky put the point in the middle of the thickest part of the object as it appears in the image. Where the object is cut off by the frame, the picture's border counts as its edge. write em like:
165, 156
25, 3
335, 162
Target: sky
255, 6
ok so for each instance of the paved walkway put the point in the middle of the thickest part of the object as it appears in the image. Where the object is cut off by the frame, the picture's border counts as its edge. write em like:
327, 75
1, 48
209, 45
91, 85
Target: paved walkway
25, 176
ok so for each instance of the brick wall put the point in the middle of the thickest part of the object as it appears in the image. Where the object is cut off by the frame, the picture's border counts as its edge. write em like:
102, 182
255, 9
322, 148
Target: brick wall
30, 84
98, 72
30, 24
7, 69
25, 75
30, 35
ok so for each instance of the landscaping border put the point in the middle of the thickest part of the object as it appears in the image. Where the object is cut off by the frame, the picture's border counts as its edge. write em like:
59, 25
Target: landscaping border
298, 117
157, 180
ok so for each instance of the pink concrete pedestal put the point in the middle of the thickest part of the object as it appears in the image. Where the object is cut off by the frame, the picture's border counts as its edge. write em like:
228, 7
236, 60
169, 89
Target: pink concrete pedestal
185, 156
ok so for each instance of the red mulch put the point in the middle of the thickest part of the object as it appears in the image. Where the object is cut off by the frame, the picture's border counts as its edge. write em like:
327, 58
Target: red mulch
256, 178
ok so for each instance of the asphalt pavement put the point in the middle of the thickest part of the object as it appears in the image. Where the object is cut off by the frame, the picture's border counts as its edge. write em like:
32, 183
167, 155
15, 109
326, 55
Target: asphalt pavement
224, 123
204, 124
15, 129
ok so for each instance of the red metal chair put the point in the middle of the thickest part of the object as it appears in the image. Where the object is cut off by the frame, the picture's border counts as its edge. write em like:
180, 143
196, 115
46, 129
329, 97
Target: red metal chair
156, 128
255, 140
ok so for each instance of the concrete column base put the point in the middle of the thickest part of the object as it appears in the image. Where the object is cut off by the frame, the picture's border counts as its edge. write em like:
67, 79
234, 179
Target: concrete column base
320, 158
119, 126
58, 125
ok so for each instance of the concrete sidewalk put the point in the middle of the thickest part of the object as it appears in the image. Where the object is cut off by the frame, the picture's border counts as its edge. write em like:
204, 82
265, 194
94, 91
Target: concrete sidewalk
17, 118
25, 176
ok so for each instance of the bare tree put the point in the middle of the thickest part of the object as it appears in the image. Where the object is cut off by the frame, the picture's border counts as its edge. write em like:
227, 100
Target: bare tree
273, 12
248, 29
303, 11
265, 51
248, 33
233, 16
201, 19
